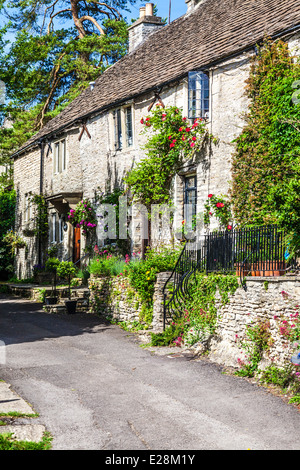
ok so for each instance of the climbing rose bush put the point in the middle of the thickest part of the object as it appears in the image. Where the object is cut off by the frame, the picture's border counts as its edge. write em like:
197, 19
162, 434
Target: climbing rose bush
173, 140
83, 216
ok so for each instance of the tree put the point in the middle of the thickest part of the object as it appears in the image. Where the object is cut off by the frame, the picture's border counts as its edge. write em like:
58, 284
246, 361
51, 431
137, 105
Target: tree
60, 46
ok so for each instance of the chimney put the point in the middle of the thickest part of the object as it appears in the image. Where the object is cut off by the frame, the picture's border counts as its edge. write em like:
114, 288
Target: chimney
191, 4
144, 26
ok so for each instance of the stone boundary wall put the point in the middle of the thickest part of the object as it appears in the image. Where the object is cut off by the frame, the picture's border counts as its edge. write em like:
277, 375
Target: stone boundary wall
272, 299
114, 297
265, 299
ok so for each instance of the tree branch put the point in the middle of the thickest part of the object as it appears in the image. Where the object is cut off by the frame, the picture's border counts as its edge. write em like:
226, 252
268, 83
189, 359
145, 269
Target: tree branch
112, 9
53, 16
92, 20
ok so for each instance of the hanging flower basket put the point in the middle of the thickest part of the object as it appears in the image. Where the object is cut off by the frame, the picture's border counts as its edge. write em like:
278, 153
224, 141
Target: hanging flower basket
83, 216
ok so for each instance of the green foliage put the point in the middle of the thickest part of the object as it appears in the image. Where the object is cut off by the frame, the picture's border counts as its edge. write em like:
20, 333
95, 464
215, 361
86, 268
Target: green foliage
59, 48
7, 214
106, 265
142, 275
172, 141
41, 216
266, 165
14, 240
257, 340
65, 269
52, 264
282, 376
7, 442
199, 317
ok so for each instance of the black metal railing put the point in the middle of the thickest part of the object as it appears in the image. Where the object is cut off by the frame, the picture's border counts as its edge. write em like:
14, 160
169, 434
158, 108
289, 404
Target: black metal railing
176, 288
255, 251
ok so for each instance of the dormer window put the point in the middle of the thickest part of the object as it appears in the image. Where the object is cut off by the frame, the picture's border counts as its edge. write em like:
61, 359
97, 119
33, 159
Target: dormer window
198, 98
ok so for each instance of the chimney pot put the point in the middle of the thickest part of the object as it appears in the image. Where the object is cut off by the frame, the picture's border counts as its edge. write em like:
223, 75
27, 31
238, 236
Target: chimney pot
142, 12
149, 9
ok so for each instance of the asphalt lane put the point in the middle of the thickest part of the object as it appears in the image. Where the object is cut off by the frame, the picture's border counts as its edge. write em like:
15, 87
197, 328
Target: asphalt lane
95, 388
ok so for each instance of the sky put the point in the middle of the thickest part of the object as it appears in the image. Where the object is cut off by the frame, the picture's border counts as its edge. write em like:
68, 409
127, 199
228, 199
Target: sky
178, 8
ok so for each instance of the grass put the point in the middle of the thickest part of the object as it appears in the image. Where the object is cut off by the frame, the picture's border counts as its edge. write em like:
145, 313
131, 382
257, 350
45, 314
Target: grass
7, 442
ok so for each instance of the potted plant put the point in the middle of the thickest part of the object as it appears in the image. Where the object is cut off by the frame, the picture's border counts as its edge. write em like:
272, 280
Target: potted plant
51, 266
66, 270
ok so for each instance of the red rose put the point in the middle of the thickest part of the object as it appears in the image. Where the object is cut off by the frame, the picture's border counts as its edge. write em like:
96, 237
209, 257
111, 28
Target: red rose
194, 138
229, 227
210, 195
193, 144
180, 129
172, 145
188, 129
170, 137
142, 121
183, 138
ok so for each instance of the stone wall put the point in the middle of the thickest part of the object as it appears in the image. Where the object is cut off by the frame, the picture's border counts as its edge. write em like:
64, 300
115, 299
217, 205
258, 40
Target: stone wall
263, 299
115, 298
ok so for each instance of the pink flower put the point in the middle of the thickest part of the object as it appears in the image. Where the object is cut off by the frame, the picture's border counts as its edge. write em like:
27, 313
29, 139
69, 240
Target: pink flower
193, 144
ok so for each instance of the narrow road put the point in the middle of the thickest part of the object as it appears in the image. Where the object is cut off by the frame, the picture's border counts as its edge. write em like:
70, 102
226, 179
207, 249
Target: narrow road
96, 388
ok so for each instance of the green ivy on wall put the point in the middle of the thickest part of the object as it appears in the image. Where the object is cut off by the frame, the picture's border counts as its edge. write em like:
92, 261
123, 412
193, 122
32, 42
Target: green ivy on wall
266, 164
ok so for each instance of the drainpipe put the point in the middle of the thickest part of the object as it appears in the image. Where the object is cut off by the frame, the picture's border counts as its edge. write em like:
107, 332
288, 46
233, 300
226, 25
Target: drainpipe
42, 148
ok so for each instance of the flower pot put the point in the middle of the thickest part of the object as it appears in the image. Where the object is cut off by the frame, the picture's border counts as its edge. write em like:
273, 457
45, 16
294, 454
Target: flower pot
272, 268
241, 268
254, 270
51, 300
71, 306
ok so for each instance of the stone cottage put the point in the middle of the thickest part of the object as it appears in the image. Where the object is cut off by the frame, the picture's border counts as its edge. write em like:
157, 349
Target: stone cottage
199, 63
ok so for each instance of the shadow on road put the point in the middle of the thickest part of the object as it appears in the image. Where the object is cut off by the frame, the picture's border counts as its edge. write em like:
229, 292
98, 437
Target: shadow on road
22, 320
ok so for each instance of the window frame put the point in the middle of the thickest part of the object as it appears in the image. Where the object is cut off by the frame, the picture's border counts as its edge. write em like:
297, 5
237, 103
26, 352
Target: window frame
60, 156
189, 189
198, 94
123, 127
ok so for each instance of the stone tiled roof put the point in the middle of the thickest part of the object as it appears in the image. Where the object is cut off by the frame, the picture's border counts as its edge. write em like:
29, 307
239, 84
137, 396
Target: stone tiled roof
215, 30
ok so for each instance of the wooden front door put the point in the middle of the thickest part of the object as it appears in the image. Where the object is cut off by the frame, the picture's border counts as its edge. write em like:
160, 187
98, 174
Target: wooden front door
76, 246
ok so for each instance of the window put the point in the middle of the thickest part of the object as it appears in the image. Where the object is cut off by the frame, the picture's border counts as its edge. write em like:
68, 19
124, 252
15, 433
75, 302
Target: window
129, 129
27, 208
198, 98
60, 229
60, 156
53, 238
123, 127
190, 199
